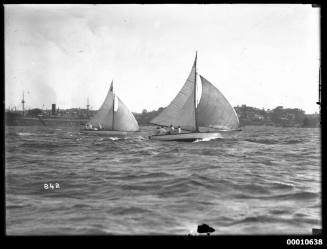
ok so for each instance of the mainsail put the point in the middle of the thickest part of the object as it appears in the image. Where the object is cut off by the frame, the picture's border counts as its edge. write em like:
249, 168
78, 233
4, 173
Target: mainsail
213, 110
181, 111
114, 115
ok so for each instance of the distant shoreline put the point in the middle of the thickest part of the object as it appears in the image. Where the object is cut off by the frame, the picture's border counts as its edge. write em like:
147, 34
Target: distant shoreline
278, 117
248, 116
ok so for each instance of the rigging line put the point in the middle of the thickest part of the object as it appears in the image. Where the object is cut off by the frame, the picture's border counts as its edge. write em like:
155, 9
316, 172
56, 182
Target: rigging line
195, 107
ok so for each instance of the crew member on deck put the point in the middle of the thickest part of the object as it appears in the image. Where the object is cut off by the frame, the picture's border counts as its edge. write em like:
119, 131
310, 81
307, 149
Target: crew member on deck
162, 131
179, 130
172, 129
88, 126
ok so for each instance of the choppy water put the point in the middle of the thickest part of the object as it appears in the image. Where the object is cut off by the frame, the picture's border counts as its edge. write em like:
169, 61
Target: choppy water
262, 180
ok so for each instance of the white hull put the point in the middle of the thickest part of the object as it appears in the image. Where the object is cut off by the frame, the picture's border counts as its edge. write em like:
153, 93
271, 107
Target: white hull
187, 137
108, 133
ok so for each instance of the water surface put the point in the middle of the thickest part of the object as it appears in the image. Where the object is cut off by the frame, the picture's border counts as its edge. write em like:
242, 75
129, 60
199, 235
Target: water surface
262, 180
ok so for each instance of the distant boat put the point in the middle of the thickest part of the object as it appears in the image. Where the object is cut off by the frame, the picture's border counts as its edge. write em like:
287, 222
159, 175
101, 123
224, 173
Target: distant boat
113, 117
199, 119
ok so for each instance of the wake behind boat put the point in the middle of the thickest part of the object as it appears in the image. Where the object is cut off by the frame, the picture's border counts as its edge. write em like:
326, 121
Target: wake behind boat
113, 118
187, 136
104, 132
203, 117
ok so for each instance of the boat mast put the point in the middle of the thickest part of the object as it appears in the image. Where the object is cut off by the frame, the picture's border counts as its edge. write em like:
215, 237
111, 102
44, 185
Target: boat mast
87, 107
195, 109
319, 101
113, 105
23, 103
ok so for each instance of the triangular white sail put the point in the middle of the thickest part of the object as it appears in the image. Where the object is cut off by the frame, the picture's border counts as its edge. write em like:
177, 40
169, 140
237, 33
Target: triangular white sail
214, 110
114, 115
124, 119
181, 111
104, 115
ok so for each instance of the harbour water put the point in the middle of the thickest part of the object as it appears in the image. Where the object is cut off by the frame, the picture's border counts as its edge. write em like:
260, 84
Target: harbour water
262, 180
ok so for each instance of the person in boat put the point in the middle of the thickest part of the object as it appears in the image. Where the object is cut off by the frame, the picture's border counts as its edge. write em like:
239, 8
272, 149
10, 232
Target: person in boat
171, 129
161, 130
179, 130
88, 126
158, 130
92, 128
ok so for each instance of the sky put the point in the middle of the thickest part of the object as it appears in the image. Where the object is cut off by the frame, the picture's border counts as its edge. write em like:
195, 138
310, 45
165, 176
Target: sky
258, 55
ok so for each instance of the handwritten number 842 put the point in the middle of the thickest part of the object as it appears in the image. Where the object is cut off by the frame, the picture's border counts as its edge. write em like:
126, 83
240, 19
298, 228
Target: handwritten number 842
51, 186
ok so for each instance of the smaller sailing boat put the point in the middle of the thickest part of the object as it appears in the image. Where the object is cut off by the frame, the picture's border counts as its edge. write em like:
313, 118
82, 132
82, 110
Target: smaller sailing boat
199, 119
113, 117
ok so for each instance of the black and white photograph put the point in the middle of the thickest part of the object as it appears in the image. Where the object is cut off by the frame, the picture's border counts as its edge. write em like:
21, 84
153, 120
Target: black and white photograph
162, 119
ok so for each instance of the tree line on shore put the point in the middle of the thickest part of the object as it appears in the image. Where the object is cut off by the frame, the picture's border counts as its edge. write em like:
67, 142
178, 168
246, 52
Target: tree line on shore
279, 116
283, 117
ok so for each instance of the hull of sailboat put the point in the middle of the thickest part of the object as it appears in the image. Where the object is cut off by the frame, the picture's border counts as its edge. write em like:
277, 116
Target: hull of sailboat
187, 137
108, 133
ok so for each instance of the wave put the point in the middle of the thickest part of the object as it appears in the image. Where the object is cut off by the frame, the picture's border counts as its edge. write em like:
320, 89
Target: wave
270, 141
80, 205
145, 175
251, 188
137, 138
113, 138
15, 206
282, 186
206, 139
263, 141
25, 134
274, 219
127, 210
92, 231
280, 211
133, 185
296, 196
293, 141
290, 196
